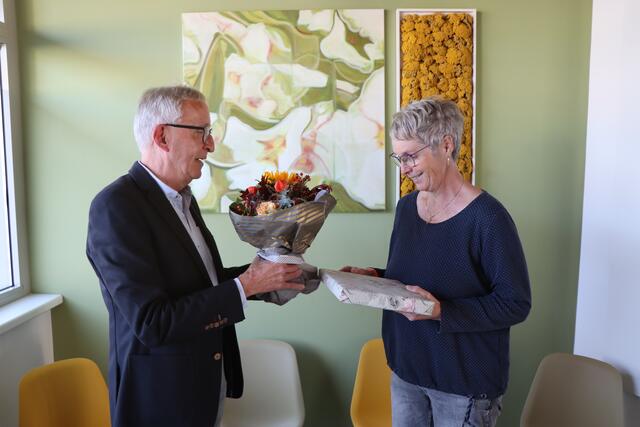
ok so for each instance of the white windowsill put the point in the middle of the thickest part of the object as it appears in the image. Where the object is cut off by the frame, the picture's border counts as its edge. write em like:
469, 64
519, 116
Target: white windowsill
26, 308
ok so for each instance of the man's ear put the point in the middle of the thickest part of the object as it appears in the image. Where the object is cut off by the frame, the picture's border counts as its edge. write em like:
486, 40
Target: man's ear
159, 139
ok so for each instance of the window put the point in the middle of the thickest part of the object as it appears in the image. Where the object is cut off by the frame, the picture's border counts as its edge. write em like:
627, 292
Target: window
13, 269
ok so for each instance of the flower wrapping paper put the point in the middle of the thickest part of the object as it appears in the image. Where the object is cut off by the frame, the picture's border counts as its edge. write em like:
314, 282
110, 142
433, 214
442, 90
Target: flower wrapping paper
376, 292
283, 237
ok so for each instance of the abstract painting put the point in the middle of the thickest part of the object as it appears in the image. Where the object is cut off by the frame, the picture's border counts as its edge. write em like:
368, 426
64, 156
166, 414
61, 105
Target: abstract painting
291, 90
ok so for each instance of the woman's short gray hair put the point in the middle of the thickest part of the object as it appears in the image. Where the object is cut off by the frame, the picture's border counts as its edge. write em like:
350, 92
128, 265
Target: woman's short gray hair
429, 121
160, 105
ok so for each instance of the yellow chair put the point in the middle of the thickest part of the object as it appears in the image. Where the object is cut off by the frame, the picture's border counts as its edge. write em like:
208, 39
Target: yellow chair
574, 391
371, 400
66, 393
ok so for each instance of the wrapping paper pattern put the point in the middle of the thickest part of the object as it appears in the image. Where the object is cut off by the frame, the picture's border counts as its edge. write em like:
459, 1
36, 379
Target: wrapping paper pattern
375, 292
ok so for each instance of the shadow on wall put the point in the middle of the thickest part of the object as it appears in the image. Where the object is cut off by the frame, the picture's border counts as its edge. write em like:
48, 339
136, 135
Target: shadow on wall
318, 387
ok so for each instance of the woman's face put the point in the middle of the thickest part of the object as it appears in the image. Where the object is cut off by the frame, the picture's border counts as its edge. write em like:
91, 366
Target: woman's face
426, 168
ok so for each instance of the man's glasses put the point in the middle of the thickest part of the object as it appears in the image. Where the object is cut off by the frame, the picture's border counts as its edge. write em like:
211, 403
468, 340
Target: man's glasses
206, 130
408, 159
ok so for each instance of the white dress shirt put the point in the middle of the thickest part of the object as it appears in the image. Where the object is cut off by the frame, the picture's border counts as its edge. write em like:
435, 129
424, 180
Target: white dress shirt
181, 201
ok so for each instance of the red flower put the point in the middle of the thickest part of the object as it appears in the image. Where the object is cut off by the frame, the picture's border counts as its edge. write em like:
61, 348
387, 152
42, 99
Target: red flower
280, 185
251, 190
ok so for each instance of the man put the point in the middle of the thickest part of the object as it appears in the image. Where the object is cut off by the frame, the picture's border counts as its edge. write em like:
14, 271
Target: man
172, 306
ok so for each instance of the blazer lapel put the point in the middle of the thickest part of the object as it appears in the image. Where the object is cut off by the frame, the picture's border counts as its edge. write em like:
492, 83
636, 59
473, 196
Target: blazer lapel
208, 237
162, 206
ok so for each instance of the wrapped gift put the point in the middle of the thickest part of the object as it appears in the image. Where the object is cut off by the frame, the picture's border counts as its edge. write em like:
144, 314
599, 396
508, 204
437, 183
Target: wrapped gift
375, 292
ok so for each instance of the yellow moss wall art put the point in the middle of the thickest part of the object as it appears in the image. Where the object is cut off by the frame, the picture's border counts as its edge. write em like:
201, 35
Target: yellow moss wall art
436, 56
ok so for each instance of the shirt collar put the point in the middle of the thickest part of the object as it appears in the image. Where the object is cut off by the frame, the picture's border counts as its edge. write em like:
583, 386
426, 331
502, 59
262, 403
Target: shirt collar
184, 195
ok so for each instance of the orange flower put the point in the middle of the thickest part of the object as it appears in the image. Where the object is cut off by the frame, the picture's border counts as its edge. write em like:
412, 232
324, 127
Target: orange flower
280, 186
286, 177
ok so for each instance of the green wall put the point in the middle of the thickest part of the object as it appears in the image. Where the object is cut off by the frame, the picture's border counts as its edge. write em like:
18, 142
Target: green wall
85, 63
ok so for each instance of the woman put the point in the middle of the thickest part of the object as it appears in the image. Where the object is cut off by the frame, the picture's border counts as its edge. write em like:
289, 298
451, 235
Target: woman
460, 249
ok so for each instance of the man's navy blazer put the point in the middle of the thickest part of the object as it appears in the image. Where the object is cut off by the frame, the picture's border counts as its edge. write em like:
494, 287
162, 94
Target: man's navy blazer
170, 330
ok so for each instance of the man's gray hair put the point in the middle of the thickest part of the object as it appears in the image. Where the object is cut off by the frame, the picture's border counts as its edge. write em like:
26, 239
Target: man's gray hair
160, 105
429, 121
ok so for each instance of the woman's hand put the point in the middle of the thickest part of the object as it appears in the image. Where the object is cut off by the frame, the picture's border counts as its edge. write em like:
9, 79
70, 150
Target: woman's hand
357, 270
435, 315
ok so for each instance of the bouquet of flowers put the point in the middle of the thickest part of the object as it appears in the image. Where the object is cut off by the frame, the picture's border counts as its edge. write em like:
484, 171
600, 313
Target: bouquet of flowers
281, 216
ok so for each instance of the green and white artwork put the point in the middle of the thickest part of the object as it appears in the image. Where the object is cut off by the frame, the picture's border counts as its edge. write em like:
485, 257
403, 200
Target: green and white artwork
291, 90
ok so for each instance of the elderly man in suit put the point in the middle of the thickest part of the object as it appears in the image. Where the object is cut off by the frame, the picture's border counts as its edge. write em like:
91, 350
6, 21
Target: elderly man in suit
173, 351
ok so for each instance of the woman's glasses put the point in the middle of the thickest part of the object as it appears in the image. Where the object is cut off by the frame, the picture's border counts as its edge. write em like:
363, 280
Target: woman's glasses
408, 159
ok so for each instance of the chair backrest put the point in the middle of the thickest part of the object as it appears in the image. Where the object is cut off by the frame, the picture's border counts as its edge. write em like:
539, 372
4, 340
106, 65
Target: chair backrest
371, 400
272, 391
570, 390
66, 393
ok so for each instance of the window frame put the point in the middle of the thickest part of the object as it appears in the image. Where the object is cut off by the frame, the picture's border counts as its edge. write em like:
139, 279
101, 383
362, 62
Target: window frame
14, 160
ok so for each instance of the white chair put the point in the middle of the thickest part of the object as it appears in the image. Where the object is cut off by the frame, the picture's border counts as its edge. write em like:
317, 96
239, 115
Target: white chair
272, 392
574, 391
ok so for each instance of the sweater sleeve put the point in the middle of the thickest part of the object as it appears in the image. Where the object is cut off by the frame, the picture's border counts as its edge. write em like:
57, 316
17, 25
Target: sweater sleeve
397, 220
503, 264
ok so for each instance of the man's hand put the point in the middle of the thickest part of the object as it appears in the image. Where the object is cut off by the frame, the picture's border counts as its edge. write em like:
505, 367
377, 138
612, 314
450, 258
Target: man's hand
357, 270
266, 276
435, 315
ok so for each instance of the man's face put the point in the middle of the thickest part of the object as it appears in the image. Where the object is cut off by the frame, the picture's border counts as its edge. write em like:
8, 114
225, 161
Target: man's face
187, 150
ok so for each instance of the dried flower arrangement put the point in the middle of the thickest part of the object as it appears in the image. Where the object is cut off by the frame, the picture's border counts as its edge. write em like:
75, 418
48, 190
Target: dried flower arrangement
274, 191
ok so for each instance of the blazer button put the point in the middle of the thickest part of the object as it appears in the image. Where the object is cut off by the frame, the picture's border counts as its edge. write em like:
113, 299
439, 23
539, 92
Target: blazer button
217, 356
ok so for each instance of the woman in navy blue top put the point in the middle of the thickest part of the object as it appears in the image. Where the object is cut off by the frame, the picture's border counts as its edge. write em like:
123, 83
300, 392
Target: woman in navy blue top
458, 246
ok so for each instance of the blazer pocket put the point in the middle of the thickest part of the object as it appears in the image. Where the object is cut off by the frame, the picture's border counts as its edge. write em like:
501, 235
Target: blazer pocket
160, 391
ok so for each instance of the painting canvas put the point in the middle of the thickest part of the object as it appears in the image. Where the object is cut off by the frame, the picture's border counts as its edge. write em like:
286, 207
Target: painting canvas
291, 90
